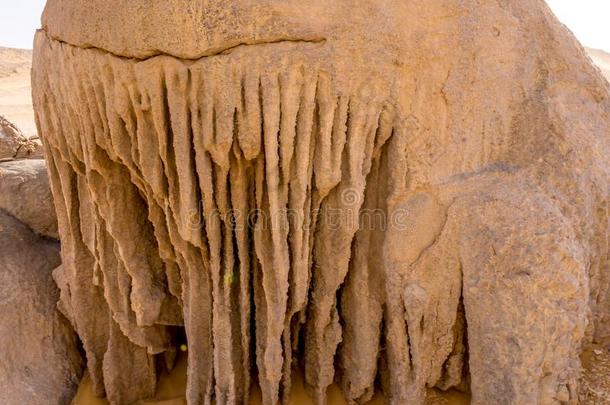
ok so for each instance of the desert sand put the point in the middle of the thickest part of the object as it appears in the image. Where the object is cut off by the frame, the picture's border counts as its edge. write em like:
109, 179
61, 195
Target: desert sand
15, 88
172, 386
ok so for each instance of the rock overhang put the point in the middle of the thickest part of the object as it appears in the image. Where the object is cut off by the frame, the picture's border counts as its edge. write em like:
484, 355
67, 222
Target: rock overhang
180, 104
140, 29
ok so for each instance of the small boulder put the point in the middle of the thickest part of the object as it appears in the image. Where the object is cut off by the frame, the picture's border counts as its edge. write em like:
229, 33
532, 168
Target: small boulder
13, 144
25, 194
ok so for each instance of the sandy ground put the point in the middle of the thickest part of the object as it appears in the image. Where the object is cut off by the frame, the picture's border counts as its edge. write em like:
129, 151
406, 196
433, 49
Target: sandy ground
594, 387
595, 382
172, 387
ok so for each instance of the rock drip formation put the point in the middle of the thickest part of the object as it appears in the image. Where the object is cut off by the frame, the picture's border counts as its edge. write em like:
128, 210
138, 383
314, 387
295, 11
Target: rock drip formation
384, 195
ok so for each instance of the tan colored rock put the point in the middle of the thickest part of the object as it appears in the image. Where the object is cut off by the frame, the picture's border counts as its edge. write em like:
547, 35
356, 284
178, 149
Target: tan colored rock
13, 144
39, 359
409, 193
11, 139
26, 195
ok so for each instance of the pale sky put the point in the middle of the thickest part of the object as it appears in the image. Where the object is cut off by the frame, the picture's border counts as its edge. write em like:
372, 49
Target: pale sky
588, 19
18, 21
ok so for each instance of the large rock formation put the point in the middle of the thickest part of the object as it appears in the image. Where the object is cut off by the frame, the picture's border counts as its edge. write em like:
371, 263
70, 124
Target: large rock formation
408, 193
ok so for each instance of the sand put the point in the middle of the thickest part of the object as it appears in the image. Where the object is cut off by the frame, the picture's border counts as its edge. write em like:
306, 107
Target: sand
172, 386
15, 88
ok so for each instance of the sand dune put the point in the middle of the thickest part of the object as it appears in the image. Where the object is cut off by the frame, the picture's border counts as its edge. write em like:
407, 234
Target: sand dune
15, 89
14, 61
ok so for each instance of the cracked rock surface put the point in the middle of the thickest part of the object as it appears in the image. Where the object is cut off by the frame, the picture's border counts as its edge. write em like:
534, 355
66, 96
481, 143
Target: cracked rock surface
387, 195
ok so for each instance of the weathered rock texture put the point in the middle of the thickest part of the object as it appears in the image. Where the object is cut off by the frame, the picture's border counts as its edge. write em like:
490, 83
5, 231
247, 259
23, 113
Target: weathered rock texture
13, 144
26, 195
409, 193
39, 360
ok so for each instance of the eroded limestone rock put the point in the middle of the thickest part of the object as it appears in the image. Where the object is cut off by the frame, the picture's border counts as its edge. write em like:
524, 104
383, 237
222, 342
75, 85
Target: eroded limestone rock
404, 192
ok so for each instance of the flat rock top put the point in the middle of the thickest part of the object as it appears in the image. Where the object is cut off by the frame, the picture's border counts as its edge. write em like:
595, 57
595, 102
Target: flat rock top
184, 28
